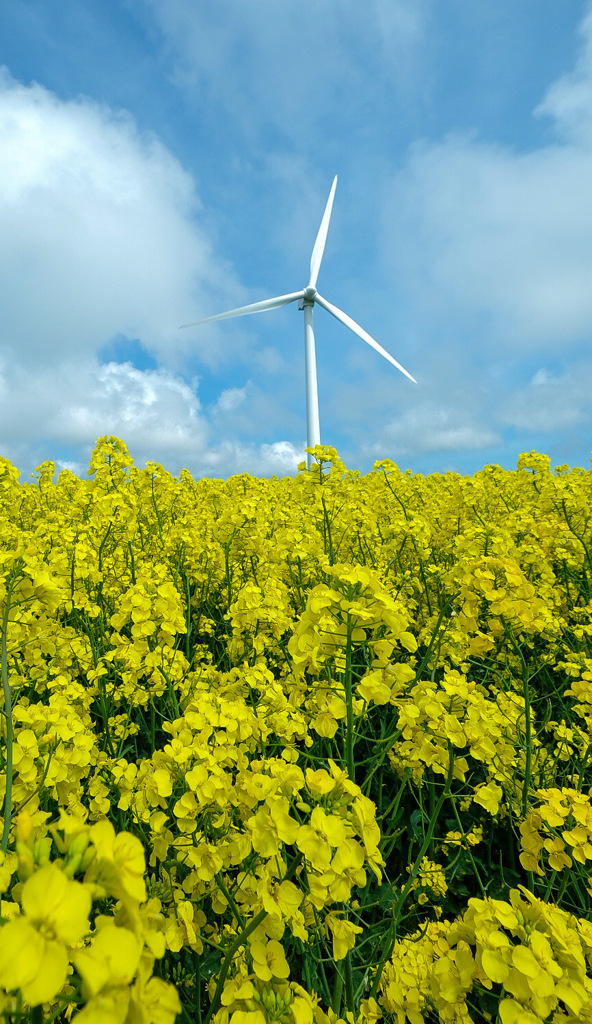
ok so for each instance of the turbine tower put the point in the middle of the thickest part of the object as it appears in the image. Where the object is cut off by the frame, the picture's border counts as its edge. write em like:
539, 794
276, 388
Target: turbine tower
306, 299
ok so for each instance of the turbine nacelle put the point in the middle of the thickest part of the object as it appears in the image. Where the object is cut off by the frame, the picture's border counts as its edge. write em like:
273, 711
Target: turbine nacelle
308, 296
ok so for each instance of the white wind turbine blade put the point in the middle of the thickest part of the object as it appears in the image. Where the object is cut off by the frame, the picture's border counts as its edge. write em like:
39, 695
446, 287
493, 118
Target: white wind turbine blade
319, 246
353, 326
253, 307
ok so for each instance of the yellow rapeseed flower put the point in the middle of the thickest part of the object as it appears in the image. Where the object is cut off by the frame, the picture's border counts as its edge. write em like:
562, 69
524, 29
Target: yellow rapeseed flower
34, 947
269, 960
343, 934
119, 864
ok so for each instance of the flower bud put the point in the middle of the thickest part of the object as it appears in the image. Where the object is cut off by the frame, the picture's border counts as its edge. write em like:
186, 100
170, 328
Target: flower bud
268, 999
42, 850
26, 864
75, 854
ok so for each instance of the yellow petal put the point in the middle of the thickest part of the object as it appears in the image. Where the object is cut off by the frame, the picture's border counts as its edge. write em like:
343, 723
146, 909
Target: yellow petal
524, 960
51, 975
494, 966
21, 951
51, 898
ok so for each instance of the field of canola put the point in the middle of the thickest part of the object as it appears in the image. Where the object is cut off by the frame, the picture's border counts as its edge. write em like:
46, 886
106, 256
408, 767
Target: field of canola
302, 751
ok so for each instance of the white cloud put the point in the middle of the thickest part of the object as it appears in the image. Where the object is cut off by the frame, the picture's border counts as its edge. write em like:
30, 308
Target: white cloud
279, 458
99, 231
496, 243
71, 404
569, 100
283, 455
155, 412
550, 404
293, 65
542, 377
432, 428
230, 400
483, 231
152, 410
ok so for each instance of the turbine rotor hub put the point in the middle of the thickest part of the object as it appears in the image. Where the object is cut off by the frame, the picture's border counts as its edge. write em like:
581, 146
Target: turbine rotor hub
310, 294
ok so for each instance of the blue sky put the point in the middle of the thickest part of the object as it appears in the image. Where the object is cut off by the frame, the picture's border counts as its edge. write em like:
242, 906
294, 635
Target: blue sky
163, 160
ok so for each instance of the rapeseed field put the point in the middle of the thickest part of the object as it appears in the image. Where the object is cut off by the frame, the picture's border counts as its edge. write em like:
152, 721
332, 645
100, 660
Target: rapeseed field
308, 750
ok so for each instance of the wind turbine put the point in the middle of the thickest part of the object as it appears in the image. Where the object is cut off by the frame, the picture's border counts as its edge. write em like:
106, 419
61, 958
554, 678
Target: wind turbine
306, 299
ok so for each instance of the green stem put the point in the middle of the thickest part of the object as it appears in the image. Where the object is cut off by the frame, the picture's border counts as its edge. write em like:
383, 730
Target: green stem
391, 937
239, 941
197, 981
561, 893
320, 962
228, 895
337, 991
468, 849
432, 804
527, 720
349, 704
583, 765
158, 518
549, 887
327, 533
132, 562
528, 738
188, 624
349, 984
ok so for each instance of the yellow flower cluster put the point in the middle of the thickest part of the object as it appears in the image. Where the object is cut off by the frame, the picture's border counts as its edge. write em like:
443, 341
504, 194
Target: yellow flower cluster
523, 957
303, 751
562, 822
48, 946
